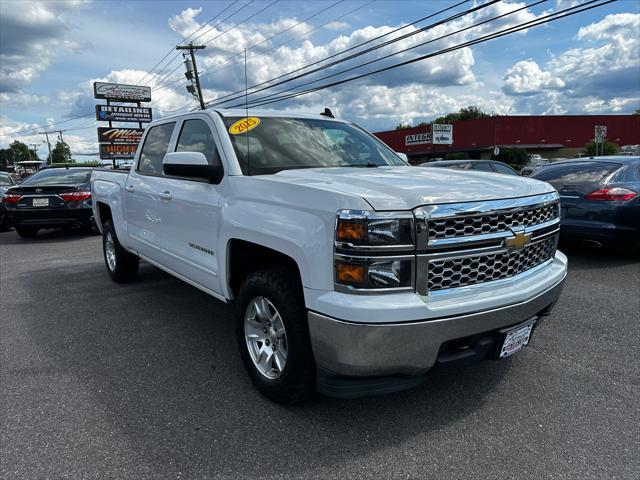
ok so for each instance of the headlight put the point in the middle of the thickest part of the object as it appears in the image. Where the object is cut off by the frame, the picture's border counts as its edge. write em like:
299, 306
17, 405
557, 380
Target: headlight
374, 251
366, 230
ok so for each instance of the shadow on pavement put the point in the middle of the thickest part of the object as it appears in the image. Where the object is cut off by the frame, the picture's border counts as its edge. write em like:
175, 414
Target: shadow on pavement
161, 358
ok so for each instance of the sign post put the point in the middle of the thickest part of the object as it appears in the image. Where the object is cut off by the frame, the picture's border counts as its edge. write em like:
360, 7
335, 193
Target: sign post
599, 136
121, 143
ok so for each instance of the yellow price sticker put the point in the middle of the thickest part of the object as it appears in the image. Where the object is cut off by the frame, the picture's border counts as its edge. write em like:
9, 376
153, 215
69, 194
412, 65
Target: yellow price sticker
244, 125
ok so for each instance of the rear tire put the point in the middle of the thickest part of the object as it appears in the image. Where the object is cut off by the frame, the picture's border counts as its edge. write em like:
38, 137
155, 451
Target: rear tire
27, 232
121, 265
278, 293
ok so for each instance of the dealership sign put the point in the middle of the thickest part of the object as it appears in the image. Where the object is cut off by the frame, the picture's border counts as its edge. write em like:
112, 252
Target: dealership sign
121, 93
442, 134
122, 113
122, 151
417, 139
119, 135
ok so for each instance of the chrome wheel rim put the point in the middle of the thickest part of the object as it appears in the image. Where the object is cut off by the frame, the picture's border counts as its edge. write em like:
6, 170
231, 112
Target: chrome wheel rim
110, 251
266, 337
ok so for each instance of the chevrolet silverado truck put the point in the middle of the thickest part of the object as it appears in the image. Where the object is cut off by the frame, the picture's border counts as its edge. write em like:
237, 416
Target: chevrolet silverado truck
351, 272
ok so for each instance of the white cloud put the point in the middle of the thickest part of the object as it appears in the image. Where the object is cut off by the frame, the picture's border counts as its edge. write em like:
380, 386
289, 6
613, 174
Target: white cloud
336, 25
32, 35
602, 75
527, 77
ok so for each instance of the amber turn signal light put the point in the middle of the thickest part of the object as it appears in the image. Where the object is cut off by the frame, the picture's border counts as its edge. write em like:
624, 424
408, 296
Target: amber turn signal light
350, 231
350, 274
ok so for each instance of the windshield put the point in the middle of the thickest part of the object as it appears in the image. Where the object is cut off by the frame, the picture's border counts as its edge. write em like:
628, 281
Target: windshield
274, 144
59, 176
5, 180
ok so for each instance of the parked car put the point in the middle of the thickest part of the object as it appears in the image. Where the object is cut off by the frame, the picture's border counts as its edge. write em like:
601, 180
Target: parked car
482, 165
50, 198
600, 198
6, 181
350, 271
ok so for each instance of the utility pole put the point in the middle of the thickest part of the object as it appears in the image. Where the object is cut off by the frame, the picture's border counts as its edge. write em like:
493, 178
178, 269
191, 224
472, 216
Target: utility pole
64, 150
49, 161
193, 74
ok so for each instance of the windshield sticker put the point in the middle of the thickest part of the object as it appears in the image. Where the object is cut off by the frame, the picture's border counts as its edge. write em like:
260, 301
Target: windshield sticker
244, 125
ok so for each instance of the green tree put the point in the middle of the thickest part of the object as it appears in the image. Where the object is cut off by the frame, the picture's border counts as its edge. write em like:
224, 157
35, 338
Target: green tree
456, 156
637, 112
609, 148
516, 157
400, 126
466, 113
61, 153
20, 152
6, 158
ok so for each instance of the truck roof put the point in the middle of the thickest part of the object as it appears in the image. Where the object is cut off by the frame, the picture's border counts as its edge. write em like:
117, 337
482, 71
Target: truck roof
253, 112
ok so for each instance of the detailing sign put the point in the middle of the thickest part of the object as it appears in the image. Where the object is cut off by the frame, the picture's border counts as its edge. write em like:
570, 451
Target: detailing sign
442, 134
120, 113
417, 139
121, 93
122, 151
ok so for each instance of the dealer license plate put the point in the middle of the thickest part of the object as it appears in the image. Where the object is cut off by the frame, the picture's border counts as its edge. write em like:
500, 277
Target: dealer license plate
40, 202
516, 339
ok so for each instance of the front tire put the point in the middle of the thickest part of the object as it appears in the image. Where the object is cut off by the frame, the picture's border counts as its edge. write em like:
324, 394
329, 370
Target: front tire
121, 265
273, 336
27, 232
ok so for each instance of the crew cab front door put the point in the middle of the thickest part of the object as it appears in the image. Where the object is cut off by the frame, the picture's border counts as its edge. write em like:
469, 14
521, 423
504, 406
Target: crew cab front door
190, 208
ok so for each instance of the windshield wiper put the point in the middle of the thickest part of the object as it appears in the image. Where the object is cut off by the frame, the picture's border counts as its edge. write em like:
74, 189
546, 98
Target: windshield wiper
365, 165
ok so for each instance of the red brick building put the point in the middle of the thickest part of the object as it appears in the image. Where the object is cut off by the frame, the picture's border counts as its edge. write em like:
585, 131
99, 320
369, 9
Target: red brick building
559, 136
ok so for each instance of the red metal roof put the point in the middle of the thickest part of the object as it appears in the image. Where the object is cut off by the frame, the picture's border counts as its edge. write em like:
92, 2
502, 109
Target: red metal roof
541, 131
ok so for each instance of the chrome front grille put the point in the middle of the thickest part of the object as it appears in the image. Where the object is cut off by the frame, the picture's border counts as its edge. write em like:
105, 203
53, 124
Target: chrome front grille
493, 222
460, 272
466, 244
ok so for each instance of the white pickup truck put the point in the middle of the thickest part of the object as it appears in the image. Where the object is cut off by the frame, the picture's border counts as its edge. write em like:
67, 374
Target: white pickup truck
352, 273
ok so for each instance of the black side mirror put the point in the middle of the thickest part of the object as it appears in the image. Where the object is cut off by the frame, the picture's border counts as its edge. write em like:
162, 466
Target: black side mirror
191, 165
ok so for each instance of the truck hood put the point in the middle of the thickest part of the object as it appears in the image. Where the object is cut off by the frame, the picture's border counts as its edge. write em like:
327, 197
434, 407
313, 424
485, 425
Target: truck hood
405, 188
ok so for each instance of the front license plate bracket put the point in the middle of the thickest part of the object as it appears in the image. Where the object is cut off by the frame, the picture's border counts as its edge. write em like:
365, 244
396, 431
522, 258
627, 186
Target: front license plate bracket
515, 338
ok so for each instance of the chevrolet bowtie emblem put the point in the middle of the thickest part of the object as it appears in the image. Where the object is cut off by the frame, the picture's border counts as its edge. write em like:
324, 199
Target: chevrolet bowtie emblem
518, 241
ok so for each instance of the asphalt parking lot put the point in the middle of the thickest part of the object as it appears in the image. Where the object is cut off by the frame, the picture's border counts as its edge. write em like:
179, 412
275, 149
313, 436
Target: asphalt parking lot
100, 380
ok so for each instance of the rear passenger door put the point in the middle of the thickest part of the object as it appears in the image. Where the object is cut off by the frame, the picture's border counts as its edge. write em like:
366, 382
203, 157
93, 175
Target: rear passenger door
190, 208
141, 200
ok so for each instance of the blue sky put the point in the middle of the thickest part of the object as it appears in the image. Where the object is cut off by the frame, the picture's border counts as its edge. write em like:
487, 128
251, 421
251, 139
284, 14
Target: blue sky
51, 52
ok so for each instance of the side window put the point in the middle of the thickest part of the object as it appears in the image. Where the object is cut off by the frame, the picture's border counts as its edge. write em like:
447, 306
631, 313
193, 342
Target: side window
155, 146
196, 136
500, 168
485, 167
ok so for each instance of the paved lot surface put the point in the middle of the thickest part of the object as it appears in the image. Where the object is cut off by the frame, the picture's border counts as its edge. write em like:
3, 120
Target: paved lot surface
144, 381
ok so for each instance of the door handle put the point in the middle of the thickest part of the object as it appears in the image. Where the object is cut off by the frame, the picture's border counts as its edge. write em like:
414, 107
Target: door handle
165, 195
130, 188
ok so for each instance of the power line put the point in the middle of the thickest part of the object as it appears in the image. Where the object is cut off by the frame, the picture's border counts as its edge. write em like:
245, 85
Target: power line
218, 100
523, 26
219, 35
210, 29
442, 37
212, 69
319, 12
185, 39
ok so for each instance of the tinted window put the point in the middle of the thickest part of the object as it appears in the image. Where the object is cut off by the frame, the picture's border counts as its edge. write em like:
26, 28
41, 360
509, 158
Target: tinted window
154, 149
485, 167
276, 144
59, 176
5, 180
196, 136
500, 168
459, 166
575, 173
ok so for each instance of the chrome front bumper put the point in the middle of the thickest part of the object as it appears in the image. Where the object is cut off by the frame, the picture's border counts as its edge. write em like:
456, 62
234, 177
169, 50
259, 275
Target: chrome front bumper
411, 348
